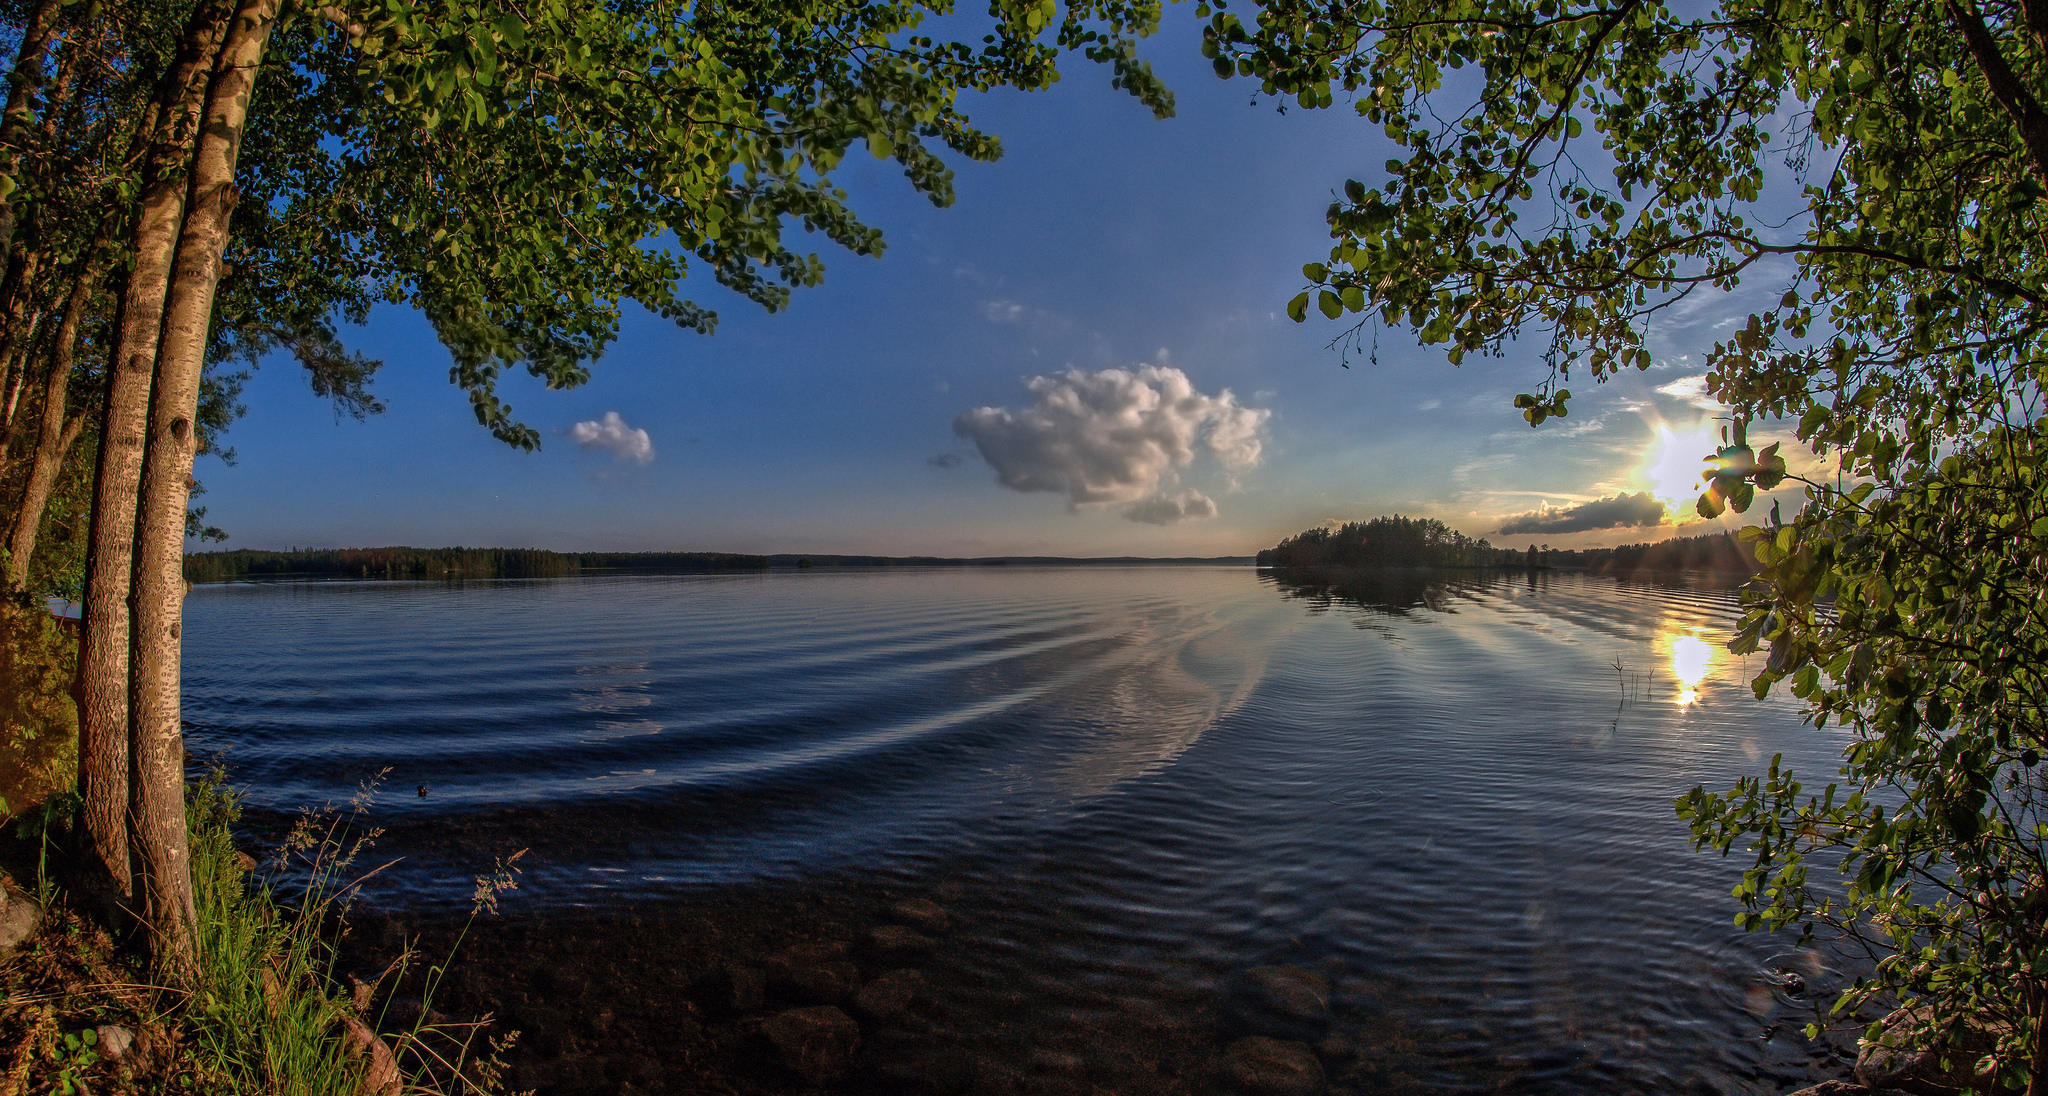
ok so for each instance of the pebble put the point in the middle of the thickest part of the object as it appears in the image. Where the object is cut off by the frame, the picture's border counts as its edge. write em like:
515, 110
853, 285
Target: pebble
114, 1042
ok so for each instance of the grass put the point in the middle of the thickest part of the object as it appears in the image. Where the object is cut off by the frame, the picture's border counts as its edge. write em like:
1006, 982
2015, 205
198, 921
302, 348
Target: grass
264, 1020
262, 1013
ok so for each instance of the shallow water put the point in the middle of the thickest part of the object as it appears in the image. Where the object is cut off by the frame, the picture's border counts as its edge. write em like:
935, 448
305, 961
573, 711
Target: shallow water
1449, 799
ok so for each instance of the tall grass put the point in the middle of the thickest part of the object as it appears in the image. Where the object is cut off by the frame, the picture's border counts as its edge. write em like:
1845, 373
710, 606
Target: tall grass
260, 1010
266, 1012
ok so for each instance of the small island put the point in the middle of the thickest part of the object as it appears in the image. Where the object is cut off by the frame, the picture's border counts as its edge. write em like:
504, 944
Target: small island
1427, 543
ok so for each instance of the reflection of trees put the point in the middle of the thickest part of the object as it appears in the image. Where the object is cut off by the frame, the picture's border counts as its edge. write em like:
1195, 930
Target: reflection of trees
1378, 592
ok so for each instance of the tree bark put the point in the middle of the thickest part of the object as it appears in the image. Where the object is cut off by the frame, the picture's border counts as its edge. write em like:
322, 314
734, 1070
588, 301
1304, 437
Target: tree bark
2008, 89
157, 769
103, 754
56, 433
27, 74
18, 323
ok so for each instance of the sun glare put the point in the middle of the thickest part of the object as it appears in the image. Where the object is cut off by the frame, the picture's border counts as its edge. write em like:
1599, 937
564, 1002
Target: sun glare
1673, 465
1691, 658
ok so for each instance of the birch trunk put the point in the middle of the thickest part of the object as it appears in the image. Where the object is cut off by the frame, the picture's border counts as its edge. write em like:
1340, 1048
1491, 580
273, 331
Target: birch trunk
157, 768
103, 754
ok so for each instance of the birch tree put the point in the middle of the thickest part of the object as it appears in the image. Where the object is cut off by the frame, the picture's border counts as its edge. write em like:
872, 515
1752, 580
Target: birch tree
516, 171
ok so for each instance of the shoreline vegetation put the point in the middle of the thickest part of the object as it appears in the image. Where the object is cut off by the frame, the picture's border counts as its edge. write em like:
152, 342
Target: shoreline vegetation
241, 565
264, 1008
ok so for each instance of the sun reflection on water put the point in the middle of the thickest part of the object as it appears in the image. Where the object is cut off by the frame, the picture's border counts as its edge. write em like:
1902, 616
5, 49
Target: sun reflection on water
1691, 659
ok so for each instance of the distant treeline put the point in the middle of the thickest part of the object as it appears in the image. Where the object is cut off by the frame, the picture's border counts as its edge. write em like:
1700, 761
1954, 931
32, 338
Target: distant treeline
1426, 542
1386, 542
1720, 553
451, 562
814, 560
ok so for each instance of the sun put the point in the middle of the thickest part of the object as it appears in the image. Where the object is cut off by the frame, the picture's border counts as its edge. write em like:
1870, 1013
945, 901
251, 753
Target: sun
1674, 462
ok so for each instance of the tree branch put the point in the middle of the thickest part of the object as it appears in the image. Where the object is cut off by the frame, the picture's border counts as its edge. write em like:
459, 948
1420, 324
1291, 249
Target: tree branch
2006, 86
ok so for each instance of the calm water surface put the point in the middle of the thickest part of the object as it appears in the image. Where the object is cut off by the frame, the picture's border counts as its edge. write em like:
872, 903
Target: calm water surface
1451, 801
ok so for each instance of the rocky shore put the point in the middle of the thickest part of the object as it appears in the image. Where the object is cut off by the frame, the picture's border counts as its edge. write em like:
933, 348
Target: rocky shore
859, 990
877, 989
810, 1000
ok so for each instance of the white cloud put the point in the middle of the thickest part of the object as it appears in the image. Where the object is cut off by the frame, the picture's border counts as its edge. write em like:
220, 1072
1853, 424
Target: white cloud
1119, 436
1168, 509
612, 435
1692, 390
1003, 311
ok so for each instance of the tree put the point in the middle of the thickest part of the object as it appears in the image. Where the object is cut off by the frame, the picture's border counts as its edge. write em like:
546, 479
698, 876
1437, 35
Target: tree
1567, 170
515, 171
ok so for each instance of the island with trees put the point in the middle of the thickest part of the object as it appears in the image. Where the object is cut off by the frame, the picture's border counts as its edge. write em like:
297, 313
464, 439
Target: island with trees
1404, 542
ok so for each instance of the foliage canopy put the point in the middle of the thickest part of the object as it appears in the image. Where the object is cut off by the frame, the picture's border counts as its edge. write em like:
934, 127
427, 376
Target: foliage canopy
1576, 168
519, 173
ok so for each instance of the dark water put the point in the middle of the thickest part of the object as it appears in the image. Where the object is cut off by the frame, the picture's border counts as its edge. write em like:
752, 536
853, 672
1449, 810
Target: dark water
1131, 787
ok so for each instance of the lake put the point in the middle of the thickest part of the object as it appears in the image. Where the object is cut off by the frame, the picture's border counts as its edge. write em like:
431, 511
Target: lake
1117, 819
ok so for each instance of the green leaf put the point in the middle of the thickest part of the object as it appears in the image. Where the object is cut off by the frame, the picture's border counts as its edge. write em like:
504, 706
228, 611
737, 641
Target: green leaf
1330, 305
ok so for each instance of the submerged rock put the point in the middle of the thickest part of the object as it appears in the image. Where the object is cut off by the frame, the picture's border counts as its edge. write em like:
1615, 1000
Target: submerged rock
1284, 1002
924, 915
815, 1043
889, 995
736, 986
827, 983
1262, 1066
898, 940
922, 1071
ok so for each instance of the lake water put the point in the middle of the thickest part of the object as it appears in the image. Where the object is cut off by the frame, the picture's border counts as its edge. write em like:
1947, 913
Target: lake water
1445, 807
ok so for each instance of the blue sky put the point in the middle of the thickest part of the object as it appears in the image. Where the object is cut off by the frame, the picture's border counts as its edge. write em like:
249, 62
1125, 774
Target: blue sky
961, 394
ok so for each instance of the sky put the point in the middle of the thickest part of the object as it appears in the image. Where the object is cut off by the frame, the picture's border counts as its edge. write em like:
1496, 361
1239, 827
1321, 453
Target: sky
1087, 354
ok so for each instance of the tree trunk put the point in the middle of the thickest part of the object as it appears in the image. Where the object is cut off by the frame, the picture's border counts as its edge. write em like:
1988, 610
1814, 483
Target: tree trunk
103, 755
18, 324
157, 768
54, 436
26, 75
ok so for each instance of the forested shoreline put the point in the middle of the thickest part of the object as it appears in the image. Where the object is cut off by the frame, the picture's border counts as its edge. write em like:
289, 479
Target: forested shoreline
395, 563
417, 563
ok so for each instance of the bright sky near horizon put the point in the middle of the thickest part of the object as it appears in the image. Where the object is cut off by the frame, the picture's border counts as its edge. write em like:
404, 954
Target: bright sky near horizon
1085, 355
